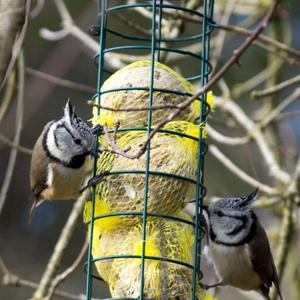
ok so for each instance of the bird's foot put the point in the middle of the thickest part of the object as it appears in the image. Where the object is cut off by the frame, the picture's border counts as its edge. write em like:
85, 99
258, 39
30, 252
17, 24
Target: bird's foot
206, 286
94, 181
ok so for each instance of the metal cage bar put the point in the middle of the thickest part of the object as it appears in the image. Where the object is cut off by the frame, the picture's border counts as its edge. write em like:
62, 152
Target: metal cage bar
155, 48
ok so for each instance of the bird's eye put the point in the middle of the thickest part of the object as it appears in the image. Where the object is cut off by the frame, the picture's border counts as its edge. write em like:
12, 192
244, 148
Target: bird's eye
220, 214
77, 141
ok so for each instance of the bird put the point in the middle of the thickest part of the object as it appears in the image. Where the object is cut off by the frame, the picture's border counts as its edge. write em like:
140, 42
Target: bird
239, 246
124, 188
59, 159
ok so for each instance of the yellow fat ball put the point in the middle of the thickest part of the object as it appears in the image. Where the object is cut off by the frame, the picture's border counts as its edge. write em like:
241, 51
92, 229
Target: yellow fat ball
163, 280
138, 75
171, 154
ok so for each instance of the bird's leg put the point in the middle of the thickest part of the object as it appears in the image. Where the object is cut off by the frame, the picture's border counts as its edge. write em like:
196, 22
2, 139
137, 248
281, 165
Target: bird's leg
94, 180
220, 283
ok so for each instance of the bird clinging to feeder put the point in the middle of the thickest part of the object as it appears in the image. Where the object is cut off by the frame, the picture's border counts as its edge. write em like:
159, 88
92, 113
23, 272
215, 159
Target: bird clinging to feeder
59, 159
239, 246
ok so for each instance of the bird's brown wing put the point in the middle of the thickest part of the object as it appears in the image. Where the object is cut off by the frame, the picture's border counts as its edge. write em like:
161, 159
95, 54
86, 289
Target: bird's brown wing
39, 166
262, 260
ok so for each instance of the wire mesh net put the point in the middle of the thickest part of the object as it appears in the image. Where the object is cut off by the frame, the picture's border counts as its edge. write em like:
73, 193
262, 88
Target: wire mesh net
141, 242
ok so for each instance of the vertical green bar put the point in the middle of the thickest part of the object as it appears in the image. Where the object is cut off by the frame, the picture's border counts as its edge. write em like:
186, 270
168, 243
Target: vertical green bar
153, 42
102, 10
200, 162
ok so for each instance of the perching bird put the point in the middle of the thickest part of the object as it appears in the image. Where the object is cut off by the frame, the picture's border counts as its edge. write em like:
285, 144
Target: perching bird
132, 91
162, 279
239, 246
59, 159
170, 154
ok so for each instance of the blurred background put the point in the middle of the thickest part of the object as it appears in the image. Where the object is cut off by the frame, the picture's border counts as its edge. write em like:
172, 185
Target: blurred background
25, 248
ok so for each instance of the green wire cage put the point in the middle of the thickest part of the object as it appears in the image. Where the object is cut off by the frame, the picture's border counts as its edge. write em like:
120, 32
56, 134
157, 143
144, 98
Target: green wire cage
156, 46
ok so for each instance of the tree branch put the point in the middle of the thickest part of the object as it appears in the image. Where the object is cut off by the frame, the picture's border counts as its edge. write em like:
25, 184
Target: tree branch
277, 110
214, 150
10, 279
60, 248
276, 88
18, 129
254, 131
61, 82
13, 145
61, 277
219, 137
232, 60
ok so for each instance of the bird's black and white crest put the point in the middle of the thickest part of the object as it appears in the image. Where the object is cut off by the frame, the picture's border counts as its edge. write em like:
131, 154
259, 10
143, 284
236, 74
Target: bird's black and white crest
68, 139
239, 203
231, 220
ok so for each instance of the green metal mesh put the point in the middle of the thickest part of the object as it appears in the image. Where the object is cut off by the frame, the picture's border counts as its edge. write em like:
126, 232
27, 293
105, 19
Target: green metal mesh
155, 46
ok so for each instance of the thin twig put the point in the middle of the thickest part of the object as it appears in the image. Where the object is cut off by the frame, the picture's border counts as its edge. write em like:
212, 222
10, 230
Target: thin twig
285, 237
18, 129
61, 277
11, 144
69, 27
113, 144
8, 94
285, 56
10, 279
221, 37
61, 82
262, 38
254, 81
288, 115
276, 88
35, 11
136, 27
277, 110
232, 60
254, 131
221, 138
214, 150
60, 248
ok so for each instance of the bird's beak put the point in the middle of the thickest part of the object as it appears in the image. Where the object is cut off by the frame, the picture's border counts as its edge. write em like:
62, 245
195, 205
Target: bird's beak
204, 207
94, 153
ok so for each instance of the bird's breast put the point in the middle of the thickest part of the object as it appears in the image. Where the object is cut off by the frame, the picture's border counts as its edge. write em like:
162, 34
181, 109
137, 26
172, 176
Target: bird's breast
233, 265
63, 182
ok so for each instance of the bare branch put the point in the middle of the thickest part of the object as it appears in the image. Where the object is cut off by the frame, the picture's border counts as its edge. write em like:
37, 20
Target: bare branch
276, 88
116, 149
10, 279
277, 110
8, 94
214, 150
111, 59
19, 124
35, 11
285, 236
61, 277
254, 81
60, 248
136, 27
11, 144
231, 61
233, 141
285, 56
61, 82
254, 131
262, 38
